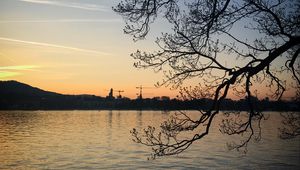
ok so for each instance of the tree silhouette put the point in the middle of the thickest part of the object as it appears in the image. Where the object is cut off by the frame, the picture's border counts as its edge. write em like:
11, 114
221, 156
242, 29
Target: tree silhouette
229, 46
291, 126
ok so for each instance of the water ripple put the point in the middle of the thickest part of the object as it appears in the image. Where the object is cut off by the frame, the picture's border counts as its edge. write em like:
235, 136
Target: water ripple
101, 140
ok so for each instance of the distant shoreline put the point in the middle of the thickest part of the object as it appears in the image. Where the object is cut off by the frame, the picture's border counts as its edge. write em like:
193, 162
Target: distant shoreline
139, 110
19, 96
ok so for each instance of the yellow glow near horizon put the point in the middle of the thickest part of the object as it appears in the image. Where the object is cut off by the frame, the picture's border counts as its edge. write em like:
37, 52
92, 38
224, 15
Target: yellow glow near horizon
71, 48
8, 74
76, 48
19, 67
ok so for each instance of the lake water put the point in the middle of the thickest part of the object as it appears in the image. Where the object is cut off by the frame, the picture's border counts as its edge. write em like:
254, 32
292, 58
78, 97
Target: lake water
101, 140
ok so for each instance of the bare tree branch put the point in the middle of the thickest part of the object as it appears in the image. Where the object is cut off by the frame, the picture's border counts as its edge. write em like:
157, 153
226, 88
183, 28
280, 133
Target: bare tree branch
204, 39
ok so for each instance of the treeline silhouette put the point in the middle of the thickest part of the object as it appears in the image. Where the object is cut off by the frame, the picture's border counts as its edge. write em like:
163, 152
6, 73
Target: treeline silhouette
19, 96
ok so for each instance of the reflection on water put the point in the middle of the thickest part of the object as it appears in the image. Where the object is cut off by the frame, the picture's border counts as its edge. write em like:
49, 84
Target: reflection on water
101, 139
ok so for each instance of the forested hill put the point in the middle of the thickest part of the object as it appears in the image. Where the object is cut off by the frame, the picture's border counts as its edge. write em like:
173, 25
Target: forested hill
19, 96
16, 95
12, 88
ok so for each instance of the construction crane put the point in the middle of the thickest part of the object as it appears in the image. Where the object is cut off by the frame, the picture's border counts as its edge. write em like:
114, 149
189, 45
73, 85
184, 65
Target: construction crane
120, 91
140, 95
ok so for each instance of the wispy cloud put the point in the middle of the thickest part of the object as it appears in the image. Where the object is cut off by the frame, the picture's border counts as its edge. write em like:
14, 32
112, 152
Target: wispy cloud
62, 21
16, 70
19, 67
55, 46
85, 6
8, 74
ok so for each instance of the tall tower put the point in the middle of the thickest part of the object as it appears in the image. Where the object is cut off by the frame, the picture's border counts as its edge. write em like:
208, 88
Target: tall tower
111, 94
141, 91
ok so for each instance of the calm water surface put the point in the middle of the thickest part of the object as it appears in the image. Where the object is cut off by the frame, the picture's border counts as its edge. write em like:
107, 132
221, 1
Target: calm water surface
101, 140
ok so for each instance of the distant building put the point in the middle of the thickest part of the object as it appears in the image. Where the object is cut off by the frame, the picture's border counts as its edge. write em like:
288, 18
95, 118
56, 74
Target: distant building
165, 98
110, 94
162, 98
156, 98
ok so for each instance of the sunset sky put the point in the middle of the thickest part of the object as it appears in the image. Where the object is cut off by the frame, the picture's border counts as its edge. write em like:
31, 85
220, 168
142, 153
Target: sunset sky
74, 47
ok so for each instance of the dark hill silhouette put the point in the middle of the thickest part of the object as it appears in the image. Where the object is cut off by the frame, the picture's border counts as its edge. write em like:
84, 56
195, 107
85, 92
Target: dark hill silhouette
13, 87
16, 95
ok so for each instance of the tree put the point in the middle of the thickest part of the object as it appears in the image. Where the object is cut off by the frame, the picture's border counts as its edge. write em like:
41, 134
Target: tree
206, 44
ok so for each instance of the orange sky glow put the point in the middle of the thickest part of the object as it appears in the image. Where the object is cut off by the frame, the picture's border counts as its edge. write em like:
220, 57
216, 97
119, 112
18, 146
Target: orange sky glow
75, 47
